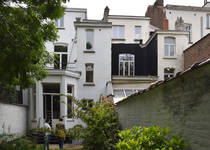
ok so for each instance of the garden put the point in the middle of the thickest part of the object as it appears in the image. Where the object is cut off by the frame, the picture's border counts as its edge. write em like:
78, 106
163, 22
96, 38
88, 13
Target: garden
102, 132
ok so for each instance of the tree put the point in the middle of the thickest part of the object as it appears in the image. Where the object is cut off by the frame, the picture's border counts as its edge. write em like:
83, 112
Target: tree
25, 26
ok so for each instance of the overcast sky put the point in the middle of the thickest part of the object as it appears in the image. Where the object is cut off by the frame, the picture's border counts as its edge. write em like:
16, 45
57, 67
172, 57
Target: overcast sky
95, 8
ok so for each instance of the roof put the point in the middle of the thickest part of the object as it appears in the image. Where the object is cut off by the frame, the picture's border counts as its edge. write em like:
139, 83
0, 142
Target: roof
206, 36
76, 10
128, 17
187, 8
193, 67
92, 23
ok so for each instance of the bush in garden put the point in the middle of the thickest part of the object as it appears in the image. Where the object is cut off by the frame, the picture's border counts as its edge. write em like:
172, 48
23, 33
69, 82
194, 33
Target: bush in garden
8, 142
152, 138
101, 124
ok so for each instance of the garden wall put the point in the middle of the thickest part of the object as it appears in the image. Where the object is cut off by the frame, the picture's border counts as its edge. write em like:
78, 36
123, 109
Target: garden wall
182, 103
13, 119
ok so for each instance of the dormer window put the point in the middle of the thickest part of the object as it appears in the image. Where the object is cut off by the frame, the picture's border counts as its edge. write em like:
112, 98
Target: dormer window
59, 23
126, 64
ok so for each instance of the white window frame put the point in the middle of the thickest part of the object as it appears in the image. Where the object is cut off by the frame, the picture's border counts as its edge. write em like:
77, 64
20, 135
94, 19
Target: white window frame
59, 23
169, 74
118, 34
208, 21
89, 70
60, 55
138, 35
188, 27
169, 47
91, 41
129, 64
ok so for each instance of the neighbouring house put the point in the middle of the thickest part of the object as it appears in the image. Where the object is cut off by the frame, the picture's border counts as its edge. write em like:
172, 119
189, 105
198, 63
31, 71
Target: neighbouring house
182, 103
198, 52
195, 20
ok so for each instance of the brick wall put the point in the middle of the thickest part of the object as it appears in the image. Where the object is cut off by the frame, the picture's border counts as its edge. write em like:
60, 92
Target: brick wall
198, 52
183, 104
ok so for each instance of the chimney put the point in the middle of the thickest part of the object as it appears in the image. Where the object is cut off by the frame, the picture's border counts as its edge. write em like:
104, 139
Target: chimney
106, 14
159, 3
179, 24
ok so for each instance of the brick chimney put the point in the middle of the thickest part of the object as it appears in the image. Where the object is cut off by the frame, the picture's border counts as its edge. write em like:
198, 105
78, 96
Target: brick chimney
106, 14
157, 14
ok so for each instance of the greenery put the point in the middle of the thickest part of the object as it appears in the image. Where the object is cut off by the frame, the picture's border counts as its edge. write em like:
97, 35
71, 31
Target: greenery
152, 138
88, 45
25, 26
101, 124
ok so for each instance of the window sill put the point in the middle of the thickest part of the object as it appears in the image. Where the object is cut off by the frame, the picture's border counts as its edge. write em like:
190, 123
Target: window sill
89, 84
118, 39
89, 51
167, 57
60, 28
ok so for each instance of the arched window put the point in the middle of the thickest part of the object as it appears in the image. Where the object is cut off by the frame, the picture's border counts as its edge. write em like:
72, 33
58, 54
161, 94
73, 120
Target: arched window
169, 46
126, 65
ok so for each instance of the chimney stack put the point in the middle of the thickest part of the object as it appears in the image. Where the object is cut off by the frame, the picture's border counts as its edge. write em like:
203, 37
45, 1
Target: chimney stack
106, 14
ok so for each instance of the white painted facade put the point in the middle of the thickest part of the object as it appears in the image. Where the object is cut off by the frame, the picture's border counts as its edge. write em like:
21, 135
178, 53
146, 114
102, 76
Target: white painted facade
129, 23
73, 35
177, 61
197, 20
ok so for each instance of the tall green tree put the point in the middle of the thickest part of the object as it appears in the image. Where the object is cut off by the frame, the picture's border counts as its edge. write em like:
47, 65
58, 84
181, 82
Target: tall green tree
25, 26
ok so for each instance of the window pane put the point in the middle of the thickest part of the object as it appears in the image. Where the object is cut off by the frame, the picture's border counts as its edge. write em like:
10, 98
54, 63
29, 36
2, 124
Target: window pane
137, 32
64, 61
89, 42
131, 68
56, 61
51, 88
126, 68
60, 49
121, 32
56, 23
69, 108
169, 40
62, 21
121, 68
166, 50
171, 50
114, 32
56, 107
89, 73
69, 89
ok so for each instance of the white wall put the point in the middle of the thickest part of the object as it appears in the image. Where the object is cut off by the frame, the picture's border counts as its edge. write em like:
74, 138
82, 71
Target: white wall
101, 60
190, 17
129, 25
176, 62
13, 119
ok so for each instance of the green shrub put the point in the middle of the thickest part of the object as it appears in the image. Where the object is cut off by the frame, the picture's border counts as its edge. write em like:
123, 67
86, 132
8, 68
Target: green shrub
153, 138
101, 124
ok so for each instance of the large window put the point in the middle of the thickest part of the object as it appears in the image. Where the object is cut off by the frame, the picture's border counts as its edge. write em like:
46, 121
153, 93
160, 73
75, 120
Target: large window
137, 32
89, 73
70, 104
60, 22
168, 73
170, 46
118, 32
60, 61
126, 64
188, 27
89, 39
208, 21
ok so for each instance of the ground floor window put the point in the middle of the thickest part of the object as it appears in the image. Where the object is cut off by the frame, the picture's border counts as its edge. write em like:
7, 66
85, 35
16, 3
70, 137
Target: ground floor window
168, 73
70, 101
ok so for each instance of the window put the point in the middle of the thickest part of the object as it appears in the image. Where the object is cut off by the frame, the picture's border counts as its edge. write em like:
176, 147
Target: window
89, 39
126, 64
208, 21
138, 32
60, 22
168, 73
188, 27
60, 61
118, 32
170, 45
89, 73
70, 106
